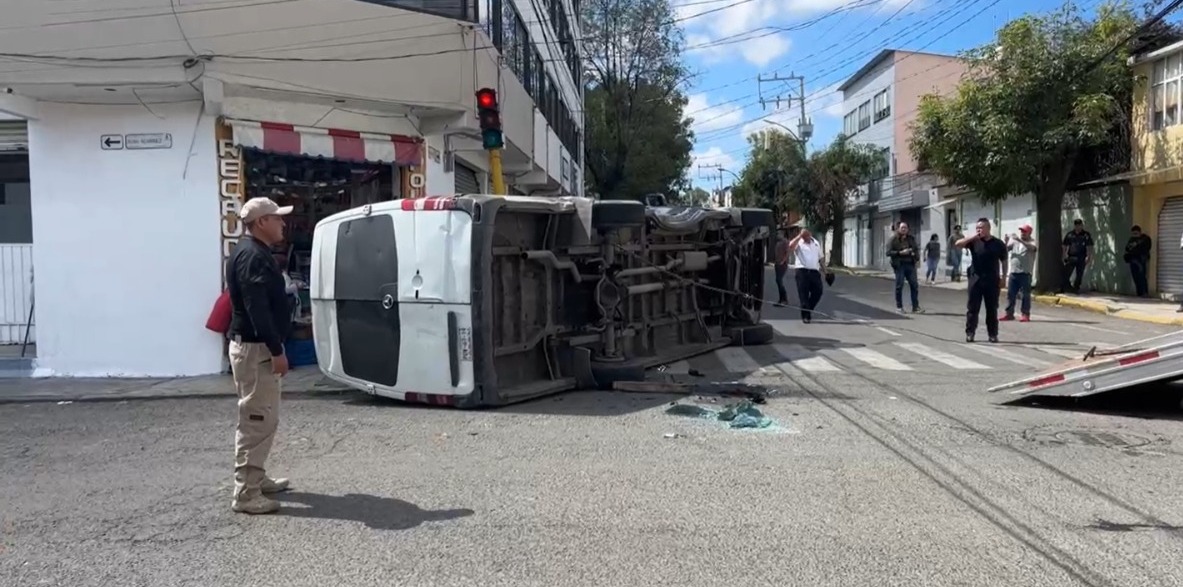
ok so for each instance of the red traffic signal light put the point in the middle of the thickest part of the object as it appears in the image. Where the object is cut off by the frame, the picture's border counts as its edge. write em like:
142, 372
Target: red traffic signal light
486, 98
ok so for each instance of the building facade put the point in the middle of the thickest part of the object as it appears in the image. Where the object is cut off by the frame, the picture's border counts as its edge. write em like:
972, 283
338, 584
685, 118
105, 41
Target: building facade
880, 102
147, 126
1156, 174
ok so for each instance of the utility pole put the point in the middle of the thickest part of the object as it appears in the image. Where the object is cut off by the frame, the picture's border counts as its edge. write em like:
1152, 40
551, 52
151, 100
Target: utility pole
804, 125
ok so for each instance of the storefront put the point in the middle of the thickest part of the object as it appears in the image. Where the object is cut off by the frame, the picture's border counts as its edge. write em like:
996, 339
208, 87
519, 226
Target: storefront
1170, 257
319, 173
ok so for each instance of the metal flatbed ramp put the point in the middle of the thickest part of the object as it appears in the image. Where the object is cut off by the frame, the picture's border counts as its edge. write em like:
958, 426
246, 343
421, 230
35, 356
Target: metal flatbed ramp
1098, 371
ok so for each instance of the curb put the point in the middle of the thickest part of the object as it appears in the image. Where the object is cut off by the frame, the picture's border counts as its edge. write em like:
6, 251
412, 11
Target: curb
107, 397
1103, 308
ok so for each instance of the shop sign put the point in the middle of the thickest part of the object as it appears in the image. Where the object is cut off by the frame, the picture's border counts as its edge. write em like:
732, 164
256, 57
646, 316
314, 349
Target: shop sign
230, 189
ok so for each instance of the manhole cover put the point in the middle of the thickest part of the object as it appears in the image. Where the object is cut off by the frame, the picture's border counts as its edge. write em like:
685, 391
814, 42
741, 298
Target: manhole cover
1089, 437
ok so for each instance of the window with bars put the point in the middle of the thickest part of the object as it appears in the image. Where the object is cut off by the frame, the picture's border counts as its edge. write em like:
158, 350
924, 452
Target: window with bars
881, 106
1164, 92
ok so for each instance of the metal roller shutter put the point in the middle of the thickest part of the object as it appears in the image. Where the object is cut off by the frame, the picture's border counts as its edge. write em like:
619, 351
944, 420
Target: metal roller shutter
1170, 256
14, 136
467, 180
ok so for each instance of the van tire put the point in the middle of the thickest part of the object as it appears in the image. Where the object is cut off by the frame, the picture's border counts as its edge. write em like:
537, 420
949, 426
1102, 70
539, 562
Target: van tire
606, 374
752, 335
612, 214
756, 217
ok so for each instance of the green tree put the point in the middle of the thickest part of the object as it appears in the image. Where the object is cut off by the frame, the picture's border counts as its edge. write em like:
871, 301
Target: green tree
638, 140
778, 175
1046, 103
694, 196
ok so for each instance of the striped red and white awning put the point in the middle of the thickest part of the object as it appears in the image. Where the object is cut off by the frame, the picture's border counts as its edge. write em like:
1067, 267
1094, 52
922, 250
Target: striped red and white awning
330, 143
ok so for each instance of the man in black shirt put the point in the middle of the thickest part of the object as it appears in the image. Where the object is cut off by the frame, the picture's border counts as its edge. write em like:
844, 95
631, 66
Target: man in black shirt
258, 326
1078, 253
987, 273
904, 253
1137, 255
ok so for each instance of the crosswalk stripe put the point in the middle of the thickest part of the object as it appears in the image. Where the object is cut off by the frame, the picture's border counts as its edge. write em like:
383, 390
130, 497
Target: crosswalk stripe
737, 360
803, 359
1007, 355
940, 356
782, 326
1066, 352
1101, 346
876, 359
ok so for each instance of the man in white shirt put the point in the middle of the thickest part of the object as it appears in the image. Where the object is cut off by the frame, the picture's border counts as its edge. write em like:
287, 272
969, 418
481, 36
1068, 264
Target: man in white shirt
809, 267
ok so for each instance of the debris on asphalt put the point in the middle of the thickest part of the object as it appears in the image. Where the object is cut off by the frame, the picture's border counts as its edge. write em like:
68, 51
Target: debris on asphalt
743, 414
64, 403
673, 435
696, 373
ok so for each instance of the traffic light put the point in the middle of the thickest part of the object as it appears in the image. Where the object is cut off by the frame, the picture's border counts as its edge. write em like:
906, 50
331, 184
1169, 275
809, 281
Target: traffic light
489, 114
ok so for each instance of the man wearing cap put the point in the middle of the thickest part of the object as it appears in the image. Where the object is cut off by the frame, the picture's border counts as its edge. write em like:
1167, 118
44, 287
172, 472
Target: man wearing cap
1021, 261
1078, 253
258, 326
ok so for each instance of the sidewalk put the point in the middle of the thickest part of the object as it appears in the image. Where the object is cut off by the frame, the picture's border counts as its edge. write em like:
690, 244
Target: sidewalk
1125, 307
301, 381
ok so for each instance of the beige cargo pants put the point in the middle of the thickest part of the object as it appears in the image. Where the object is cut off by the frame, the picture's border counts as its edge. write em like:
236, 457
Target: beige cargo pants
258, 414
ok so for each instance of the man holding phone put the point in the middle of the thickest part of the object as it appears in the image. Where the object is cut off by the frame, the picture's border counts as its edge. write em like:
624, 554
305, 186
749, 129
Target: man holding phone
987, 274
904, 252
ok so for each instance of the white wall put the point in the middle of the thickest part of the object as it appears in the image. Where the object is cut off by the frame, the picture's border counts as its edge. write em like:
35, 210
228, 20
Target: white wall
880, 134
126, 253
439, 181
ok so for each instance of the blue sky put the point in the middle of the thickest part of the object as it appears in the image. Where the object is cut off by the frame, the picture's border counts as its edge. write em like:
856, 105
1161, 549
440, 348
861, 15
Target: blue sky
826, 41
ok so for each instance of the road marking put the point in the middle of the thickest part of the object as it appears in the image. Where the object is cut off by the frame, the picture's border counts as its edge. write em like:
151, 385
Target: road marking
1101, 346
803, 359
782, 326
940, 356
737, 360
891, 332
1105, 330
1065, 352
1006, 355
679, 368
876, 359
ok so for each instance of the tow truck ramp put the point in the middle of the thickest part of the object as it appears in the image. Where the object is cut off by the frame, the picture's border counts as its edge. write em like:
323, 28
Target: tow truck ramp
1145, 361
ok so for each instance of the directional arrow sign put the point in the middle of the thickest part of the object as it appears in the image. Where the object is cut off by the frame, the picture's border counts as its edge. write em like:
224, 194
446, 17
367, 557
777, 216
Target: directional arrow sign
111, 142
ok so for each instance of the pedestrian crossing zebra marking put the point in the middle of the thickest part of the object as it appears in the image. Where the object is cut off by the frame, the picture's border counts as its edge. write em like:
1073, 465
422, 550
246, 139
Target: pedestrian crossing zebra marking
876, 359
940, 356
804, 359
737, 360
1010, 356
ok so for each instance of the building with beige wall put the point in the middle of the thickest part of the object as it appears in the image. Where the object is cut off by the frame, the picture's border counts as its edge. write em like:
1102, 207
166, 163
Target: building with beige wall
1156, 167
880, 101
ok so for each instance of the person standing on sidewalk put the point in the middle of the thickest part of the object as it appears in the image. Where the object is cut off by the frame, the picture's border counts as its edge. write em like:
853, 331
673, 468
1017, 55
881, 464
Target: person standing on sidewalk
954, 259
932, 258
1021, 254
809, 267
782, 265
1078, 253
1137, 256
987, 273
258, 326
904, 253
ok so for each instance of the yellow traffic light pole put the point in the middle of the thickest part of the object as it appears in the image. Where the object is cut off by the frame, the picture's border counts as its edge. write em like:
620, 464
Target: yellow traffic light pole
495, 172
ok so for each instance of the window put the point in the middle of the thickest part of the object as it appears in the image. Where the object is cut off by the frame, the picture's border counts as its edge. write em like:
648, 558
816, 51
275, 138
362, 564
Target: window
458, 9
882, 107
864, 115
850, 124
1164, 92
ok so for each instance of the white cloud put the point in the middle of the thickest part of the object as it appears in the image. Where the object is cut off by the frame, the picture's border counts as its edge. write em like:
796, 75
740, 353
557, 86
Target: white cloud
707, 117
714, 156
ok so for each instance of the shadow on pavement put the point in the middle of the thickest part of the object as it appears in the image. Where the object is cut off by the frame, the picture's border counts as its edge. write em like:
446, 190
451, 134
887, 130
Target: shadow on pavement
1154, 401
592, 402
379, 513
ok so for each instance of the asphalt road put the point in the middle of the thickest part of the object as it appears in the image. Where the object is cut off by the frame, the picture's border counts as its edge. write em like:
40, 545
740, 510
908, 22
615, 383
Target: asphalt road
874, 475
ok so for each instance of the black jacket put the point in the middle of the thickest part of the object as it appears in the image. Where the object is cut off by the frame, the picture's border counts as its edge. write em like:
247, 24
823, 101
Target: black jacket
899, 244
1138, 249
256, 286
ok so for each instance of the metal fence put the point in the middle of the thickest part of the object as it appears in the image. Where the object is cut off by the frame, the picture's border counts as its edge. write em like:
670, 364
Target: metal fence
16, 292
